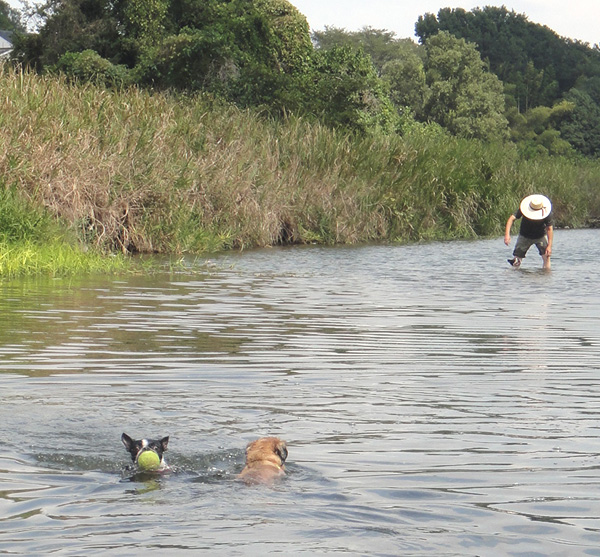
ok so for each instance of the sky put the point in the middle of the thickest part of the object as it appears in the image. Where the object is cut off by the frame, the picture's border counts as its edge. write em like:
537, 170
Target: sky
575, 19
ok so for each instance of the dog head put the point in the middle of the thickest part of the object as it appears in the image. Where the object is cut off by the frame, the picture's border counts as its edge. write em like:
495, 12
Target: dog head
270, 450
136, 447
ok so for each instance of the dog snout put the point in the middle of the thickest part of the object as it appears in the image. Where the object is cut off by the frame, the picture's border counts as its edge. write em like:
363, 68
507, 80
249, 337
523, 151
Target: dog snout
282, 452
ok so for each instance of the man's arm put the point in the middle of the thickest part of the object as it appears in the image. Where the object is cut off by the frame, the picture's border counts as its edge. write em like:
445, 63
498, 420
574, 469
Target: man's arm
509, 224
550, 233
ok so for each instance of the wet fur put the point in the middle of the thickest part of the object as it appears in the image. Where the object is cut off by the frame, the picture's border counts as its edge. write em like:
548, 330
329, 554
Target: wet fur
265, 460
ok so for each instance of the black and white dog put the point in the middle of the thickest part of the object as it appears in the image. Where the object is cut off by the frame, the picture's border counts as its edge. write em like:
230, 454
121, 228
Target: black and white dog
136, 447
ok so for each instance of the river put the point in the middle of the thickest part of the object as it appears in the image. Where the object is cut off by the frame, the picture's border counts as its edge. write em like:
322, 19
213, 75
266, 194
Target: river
434, 400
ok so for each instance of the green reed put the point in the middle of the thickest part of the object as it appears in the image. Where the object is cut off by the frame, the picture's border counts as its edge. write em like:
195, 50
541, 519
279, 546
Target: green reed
55, 259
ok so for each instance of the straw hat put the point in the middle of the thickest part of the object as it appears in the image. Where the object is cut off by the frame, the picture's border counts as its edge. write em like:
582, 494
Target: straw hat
536, 207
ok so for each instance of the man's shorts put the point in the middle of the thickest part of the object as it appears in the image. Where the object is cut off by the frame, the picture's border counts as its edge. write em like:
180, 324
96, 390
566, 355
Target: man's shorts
523, 244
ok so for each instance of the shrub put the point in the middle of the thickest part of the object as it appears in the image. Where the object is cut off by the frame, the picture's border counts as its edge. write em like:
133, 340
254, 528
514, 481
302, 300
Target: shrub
90, 66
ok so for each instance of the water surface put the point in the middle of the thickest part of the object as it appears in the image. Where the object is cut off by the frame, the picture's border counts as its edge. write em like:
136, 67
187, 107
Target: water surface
434, 400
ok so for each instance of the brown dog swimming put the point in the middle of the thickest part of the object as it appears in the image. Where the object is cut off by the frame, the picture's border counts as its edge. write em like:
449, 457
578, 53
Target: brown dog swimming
265, 460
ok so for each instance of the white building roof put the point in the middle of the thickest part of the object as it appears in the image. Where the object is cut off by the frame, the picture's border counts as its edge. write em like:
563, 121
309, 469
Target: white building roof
5, 44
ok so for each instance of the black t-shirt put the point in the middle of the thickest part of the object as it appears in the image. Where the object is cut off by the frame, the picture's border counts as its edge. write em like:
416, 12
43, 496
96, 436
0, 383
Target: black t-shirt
533, 229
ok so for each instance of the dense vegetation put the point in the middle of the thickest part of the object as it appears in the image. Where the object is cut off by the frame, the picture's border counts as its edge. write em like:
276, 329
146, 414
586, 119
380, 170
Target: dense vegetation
251, 53
10, 19
539, 69
138, 171
486, 74
187, 125
550, 85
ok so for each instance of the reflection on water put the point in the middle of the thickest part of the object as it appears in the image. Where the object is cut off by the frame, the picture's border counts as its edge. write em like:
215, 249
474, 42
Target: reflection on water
434, 400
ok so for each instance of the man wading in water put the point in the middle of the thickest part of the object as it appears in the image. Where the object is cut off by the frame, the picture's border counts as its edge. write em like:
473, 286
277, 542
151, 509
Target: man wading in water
536, 228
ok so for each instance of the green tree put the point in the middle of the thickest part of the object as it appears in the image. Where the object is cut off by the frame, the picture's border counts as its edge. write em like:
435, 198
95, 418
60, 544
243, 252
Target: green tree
407, 82
70, 26
537, 131
141, 23
143, 20
250, 52
582, 127
398, 61
382, 46
90, 66
270, 32
345, 90
426, 27
291, 36
10, 19
542, 65
463, 97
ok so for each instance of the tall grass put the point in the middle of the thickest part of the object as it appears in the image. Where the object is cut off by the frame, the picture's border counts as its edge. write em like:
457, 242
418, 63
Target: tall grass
135, 171
33, 242
54, 259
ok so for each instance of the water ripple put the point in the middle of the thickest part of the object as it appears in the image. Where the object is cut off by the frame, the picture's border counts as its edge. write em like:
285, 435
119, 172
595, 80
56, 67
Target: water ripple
433, 401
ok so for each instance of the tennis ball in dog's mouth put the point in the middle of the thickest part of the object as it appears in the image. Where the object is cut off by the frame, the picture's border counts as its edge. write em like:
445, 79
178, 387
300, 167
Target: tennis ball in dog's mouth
148, 460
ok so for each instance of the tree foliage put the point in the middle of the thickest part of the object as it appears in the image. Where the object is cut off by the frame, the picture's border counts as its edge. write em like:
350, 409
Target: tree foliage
463, 97
399, 62
538, 69
581, 128
537, 130
407, 83
348, 92
10, 19
474, 73
541, 65
251, 52
70, 26
444, 82
90, 66
381, 45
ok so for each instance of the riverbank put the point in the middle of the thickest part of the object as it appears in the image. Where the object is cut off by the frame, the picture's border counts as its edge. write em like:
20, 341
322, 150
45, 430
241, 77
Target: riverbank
129, 171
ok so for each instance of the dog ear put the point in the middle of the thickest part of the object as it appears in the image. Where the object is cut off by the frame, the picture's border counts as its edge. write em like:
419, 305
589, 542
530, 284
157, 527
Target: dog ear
164, 442
282, 452
127, 441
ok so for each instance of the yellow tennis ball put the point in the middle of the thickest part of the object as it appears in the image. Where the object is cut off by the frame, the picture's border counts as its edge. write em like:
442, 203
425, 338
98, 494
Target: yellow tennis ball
148, 460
